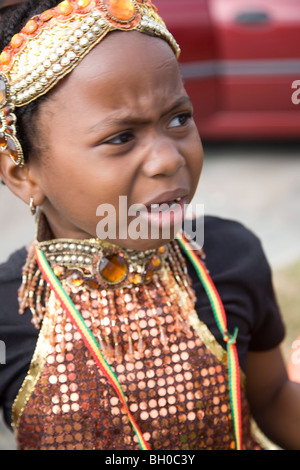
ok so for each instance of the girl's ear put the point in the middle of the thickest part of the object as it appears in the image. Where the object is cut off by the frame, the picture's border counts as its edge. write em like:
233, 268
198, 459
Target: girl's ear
20, 180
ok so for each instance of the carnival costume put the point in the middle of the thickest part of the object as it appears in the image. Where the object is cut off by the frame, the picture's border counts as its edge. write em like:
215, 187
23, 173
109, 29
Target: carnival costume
122, 360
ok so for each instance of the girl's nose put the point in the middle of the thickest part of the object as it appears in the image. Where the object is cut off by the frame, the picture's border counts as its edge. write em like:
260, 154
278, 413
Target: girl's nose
163, 159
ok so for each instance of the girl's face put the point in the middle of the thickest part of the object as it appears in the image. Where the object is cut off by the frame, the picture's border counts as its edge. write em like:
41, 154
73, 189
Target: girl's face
119, 125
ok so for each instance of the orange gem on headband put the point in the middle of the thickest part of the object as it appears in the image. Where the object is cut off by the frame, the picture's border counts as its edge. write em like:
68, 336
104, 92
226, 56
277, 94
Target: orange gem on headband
52, 44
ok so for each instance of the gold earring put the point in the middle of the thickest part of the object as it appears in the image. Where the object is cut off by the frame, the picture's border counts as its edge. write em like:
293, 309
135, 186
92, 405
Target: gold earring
32, 206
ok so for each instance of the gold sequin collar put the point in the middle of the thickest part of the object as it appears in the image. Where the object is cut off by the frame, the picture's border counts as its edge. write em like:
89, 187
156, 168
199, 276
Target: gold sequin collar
102, 264
94, 265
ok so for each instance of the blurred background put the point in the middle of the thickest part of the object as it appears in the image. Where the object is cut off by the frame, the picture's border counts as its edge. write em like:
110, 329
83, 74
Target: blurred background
241, 65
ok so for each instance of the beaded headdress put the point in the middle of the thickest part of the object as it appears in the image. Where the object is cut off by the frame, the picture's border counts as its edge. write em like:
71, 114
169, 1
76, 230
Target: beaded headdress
50, 46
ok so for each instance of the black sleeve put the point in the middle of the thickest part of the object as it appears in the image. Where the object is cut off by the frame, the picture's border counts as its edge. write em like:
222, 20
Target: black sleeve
241, 273
16, 331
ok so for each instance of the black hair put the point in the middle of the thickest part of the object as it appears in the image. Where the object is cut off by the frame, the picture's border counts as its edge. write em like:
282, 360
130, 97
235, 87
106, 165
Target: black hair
12, 21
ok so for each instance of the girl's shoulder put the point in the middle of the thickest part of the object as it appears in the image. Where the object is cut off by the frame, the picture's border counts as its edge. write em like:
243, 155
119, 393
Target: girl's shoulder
226, 240
233, 249
218, 229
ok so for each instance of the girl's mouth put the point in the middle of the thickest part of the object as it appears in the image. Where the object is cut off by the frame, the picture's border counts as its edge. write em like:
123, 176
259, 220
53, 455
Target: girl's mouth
166, 214
165, 206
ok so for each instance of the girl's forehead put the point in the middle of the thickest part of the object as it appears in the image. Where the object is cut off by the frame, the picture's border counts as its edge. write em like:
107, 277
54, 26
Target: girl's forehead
133, 52
125, 72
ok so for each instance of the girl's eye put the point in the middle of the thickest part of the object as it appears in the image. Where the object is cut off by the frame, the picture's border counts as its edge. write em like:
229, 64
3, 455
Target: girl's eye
180, 120
123, 138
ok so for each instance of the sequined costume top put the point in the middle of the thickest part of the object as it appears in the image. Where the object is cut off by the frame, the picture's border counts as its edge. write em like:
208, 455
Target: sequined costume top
178, 394
172, 370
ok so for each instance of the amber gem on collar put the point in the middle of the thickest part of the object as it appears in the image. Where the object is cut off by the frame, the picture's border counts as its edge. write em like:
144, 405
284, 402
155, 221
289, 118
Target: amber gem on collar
92, 262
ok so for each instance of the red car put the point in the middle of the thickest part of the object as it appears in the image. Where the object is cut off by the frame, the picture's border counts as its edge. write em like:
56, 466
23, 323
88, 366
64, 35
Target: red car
241, 63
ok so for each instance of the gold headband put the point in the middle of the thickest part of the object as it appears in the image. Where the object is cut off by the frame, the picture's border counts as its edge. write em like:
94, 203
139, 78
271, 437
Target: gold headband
52, 44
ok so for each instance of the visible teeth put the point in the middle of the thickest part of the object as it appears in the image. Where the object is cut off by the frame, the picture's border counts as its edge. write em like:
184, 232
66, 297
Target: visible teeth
165, 205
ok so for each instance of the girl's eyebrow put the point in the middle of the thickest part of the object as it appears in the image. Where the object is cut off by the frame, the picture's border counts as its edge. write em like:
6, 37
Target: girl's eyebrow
128, 120
180, 102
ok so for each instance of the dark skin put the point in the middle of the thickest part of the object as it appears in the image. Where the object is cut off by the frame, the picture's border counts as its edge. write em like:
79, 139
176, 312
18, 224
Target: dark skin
98, 127
121, 124
274, 399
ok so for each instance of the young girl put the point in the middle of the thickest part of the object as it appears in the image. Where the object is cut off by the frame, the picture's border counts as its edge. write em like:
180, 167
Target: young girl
133, 342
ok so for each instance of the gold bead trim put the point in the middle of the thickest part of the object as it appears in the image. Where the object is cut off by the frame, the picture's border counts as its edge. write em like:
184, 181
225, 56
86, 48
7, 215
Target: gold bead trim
86, 262
57, 46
